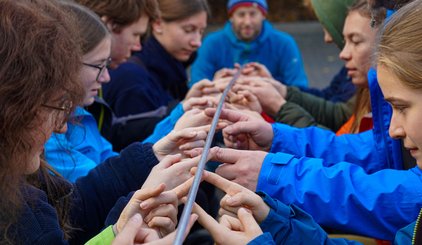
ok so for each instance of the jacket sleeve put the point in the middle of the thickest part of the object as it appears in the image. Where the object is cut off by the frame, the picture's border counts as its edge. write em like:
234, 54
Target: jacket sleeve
105, 237
294, 115
359, 149
96, 194
288, 224
344, 196
71, 160
263, 239
166, 125
330, 114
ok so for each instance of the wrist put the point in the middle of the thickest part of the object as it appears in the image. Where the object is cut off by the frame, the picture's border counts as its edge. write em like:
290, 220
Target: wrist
274, 107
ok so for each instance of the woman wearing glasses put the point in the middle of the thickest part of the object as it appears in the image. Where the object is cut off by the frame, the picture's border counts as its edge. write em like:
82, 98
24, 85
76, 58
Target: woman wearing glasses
67, 152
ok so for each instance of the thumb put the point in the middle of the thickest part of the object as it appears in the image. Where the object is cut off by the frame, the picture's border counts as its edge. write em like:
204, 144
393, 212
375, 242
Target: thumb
225, 155
170, 160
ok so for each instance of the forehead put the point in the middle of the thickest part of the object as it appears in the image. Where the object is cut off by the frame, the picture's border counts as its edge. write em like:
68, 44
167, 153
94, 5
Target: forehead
357, 24
140, 26
246, 10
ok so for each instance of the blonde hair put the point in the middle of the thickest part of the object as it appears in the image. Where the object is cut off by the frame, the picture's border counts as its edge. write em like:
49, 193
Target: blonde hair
400, 47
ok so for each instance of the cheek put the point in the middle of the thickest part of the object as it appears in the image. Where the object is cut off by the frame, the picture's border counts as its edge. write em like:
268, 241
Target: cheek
88, 79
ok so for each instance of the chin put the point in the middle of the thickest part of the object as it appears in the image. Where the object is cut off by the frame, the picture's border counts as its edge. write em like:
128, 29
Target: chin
89, 101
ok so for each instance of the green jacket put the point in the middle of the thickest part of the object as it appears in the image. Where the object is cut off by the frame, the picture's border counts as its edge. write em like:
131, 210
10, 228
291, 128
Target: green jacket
304, 110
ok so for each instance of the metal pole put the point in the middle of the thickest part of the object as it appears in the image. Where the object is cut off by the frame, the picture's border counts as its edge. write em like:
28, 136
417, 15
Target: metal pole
184, 219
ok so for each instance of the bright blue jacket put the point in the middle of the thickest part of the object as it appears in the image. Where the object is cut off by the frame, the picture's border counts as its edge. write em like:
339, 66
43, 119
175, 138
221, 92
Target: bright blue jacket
78, 151
361, 188
277, 50
373, 149
288, 224
344, 195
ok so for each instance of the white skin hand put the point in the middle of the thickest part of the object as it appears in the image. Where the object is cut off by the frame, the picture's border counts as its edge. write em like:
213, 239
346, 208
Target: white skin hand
245, 132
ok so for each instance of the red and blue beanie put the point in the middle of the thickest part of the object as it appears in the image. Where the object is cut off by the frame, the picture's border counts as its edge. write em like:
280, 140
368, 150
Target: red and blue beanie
232, 5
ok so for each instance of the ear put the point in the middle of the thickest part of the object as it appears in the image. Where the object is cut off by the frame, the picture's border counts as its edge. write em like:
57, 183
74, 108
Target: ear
108, 22
157, 26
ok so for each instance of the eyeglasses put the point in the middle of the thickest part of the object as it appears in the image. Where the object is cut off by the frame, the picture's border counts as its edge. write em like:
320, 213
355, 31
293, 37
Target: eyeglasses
101, 68
66, 109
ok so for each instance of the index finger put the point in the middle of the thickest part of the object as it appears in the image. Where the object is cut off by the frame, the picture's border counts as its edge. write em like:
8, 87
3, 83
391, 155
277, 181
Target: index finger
228, 114
221, 183
183, 189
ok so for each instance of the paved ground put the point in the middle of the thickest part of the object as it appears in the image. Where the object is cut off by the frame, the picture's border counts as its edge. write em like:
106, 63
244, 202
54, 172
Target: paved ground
320, 59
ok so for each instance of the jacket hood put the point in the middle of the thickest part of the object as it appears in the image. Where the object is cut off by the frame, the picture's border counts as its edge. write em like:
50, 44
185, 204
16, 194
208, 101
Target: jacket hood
331, 14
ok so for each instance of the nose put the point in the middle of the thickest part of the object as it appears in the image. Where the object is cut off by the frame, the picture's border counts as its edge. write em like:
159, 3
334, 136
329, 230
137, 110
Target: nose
196, 41
104, 77
137, 45
247, 19
345, 54
396, 131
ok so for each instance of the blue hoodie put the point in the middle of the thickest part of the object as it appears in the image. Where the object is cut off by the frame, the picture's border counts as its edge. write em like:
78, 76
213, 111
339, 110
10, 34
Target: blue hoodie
276, 50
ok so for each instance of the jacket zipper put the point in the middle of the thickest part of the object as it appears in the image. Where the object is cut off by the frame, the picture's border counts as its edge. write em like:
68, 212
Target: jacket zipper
416, 227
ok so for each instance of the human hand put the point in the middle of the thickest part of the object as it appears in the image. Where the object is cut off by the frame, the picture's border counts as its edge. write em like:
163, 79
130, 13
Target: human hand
133, 233
245, 100
239, 166
200, 102
269, 98
193, 119
178, 141
226, 72
172, 171
201, 88
160, 215
246, 132
256, 69
230, 231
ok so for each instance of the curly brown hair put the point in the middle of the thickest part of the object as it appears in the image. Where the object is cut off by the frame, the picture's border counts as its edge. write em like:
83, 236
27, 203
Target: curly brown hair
39, 60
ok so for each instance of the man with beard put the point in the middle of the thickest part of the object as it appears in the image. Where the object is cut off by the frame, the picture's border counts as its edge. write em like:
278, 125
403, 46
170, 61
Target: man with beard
249, 38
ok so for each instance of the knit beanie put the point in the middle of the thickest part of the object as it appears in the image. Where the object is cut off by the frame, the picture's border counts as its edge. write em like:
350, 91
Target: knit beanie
232, 5
332, 14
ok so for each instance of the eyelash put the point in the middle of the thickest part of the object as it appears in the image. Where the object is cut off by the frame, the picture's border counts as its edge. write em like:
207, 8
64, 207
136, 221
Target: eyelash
400, 109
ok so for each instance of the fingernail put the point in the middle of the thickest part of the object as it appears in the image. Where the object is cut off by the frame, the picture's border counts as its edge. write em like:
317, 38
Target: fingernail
143, 205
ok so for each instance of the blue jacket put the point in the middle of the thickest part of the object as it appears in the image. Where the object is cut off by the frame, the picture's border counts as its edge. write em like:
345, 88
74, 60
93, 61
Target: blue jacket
288, 224
340, 89
92, 198
81, 149
276, 50
344, 195
373, 149
361, 188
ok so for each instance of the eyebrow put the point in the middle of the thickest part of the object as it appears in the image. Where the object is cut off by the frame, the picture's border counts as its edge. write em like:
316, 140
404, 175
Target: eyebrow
393, 100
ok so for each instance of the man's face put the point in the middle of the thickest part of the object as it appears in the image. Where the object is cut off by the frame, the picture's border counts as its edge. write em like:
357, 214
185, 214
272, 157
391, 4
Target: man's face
247, 22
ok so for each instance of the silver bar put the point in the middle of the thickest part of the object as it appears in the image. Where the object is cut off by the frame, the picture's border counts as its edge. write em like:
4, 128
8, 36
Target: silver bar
184, 219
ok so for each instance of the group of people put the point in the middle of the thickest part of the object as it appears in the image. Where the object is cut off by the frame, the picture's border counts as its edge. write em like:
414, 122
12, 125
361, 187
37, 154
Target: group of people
105, 107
